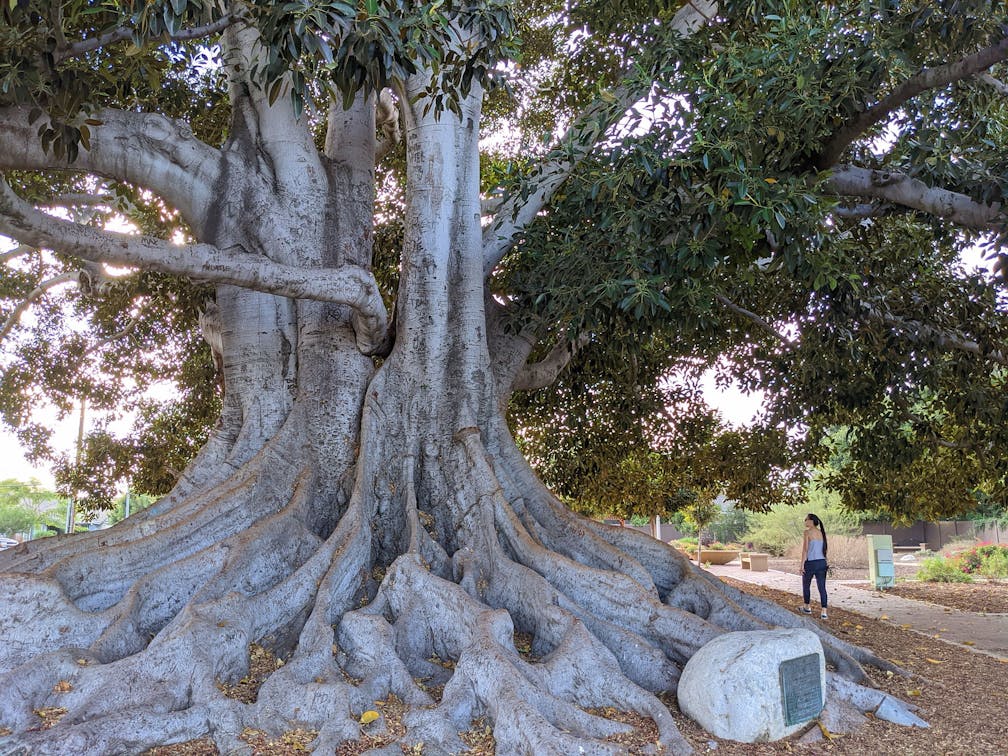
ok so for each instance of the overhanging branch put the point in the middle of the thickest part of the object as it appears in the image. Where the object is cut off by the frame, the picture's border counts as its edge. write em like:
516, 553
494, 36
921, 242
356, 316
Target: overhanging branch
753, 317
123, 33
926, 79
348, 285
516, 211
899, 188
914, 330
34, 296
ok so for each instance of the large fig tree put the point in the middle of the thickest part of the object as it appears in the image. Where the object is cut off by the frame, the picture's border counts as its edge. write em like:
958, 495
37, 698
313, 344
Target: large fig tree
361, 510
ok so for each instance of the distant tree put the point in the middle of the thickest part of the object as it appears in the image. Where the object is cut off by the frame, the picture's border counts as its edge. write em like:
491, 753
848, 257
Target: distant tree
137, 503
27, 507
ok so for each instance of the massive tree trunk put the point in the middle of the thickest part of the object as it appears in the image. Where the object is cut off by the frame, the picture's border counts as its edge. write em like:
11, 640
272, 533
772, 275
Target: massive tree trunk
373, 527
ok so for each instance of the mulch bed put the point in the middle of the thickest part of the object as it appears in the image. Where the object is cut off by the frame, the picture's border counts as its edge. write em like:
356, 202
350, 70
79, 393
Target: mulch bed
982, 597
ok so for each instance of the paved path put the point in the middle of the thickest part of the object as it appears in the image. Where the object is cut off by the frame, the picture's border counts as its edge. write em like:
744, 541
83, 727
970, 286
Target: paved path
984, 633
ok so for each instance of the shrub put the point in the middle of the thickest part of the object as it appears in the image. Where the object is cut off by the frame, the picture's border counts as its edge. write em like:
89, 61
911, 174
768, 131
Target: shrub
995, 565
940, 570
972, 561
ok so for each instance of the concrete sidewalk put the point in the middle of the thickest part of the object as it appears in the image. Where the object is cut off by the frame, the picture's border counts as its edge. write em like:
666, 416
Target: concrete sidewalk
985, 633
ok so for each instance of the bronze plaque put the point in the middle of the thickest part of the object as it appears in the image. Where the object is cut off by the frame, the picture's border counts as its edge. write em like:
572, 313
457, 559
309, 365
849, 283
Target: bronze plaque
801, 688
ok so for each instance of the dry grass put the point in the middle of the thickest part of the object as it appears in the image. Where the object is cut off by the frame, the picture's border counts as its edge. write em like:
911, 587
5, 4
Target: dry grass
844, 552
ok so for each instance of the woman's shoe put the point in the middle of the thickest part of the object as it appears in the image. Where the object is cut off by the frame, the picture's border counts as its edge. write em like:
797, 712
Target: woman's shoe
804, 610
822, 615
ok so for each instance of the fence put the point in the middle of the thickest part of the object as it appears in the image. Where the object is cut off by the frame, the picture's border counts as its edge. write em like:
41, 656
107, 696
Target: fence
939, 534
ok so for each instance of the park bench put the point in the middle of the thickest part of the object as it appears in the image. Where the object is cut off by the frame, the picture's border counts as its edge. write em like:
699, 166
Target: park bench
754, 562
911, 549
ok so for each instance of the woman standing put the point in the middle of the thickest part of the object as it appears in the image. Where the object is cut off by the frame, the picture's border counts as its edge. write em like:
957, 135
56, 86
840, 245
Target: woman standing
813, 562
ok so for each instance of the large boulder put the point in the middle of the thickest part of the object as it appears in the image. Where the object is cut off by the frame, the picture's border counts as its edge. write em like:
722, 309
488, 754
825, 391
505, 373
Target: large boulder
734, 689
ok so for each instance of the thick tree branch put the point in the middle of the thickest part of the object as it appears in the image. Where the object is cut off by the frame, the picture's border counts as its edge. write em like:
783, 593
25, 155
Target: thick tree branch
759, 321
145, 149
34, 296
386, 124
901, 189
926, 79
123, 33
349, 285
914, 330
541, 374
21, 249
515, 213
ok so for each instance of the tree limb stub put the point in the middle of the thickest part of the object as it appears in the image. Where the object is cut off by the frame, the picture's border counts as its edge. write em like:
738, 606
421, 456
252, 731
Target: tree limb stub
901, 189
541, 374
349, 285
926, 79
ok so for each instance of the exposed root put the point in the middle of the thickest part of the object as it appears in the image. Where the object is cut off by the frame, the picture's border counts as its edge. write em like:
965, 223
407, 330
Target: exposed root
541, 625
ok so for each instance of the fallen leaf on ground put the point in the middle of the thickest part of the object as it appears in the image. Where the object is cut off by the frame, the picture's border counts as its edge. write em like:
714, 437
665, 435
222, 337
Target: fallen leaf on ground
369, 716
933, 661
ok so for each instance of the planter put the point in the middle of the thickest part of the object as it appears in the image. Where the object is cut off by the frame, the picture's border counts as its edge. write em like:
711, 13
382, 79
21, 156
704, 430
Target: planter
717, 557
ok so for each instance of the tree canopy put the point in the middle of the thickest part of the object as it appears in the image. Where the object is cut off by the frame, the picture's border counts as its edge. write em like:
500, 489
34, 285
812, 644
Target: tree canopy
790, 208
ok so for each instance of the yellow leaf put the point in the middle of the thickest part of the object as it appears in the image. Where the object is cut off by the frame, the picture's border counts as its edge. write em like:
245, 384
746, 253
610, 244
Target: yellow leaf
884, 617
969, 643
770, 180
904, 627
933, 661
913, 692
369, 716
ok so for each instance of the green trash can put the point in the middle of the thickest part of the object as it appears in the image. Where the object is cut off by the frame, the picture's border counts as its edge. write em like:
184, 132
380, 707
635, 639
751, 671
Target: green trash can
881, 570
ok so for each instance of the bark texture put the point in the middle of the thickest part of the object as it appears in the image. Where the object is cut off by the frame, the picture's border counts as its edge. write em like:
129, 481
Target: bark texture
373, 527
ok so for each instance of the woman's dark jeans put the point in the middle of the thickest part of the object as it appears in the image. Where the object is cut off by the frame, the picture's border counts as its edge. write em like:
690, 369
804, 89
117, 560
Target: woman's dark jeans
817, 568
